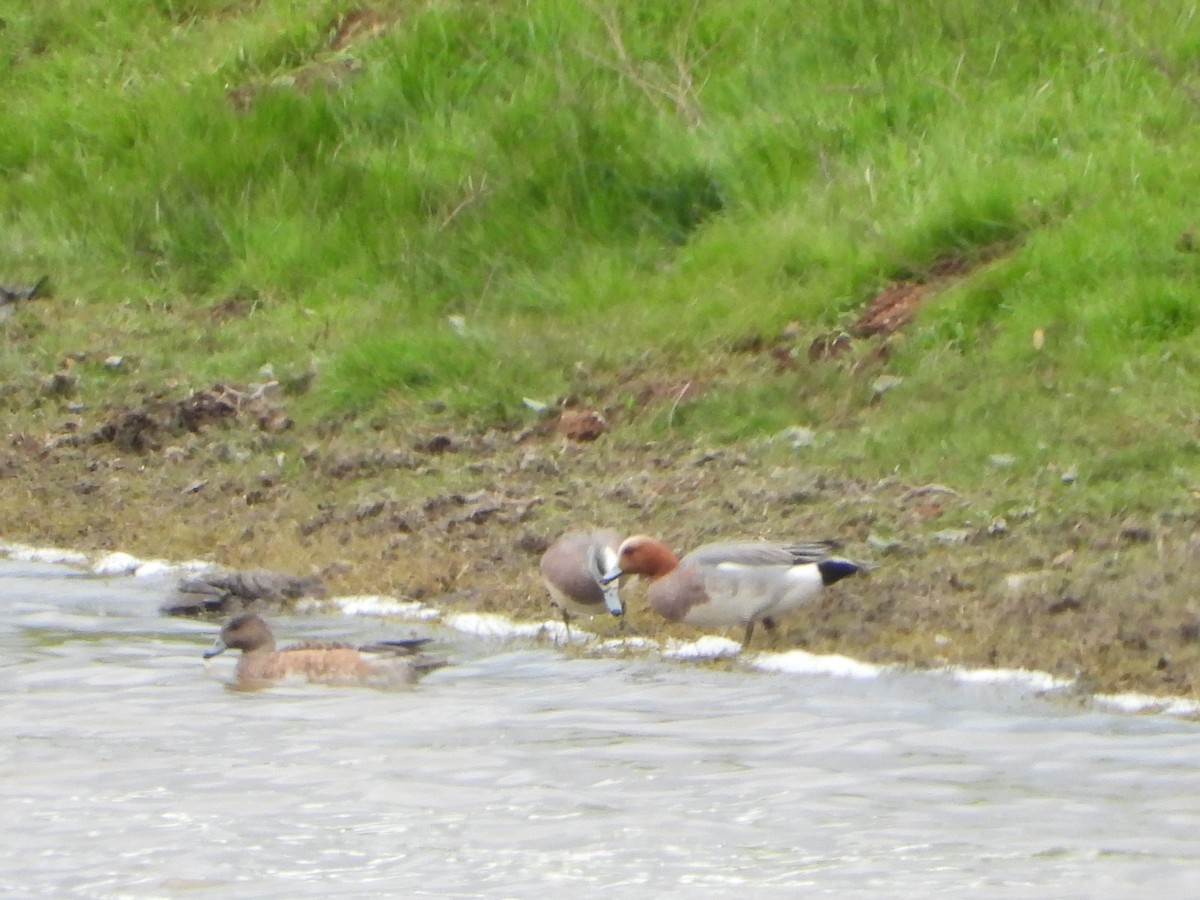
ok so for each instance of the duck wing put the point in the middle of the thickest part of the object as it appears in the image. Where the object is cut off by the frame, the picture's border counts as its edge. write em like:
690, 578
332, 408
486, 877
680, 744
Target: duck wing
761, 553
400, 647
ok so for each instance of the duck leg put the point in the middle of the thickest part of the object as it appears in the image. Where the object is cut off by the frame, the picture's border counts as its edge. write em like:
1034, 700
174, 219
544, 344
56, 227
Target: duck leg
749, 632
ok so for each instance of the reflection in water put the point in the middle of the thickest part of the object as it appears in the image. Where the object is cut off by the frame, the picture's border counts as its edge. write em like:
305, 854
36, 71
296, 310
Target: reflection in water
131, 768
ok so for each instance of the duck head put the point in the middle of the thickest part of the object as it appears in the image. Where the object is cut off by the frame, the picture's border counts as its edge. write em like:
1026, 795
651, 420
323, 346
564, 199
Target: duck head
642, 555
246, 632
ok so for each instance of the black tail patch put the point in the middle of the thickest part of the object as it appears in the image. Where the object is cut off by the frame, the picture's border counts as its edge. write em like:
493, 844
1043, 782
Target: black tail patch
836, 569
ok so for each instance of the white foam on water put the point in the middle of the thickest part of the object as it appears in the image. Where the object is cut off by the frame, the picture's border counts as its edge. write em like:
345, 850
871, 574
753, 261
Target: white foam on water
491, 625
708, 646
152, 567
496, 626
191, 565
1030, 678
801, 662
382, 605
116, 564
54, 555
108, 565
1148, 703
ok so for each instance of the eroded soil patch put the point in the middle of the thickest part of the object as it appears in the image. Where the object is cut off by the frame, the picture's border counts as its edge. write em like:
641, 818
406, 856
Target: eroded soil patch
895, 305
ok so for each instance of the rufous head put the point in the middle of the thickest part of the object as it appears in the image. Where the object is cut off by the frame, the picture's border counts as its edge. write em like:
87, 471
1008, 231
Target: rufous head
642, 555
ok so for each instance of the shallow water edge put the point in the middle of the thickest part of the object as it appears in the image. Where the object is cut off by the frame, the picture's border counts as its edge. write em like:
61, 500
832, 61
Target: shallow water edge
705, 647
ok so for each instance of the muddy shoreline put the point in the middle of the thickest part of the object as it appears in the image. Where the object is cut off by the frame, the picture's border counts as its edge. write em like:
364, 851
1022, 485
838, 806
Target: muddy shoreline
458, 520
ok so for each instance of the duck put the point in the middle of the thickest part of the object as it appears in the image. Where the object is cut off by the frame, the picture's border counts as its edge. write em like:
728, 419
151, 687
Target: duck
380, 664
731, 582
573, 567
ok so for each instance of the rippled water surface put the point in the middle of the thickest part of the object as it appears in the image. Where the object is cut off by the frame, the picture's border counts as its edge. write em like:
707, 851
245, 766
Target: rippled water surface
130, 768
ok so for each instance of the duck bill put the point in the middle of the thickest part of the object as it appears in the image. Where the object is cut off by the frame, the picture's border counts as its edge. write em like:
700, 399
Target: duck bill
612, 599
218, 647
610, 576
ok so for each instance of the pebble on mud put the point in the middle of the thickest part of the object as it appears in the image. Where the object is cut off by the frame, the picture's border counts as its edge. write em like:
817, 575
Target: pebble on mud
581, 424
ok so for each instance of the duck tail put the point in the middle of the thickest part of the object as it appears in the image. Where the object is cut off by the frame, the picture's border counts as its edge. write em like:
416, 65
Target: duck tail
835, 569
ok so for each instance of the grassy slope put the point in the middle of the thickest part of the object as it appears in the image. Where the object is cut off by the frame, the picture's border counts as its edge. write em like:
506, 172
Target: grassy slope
633, 187
613, 197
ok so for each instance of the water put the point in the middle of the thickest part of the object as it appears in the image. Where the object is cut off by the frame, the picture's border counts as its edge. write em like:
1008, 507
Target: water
128, 767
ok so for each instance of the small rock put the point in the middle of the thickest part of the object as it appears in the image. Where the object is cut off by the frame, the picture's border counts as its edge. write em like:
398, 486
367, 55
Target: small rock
581, 424
1070, 476
797, 436
533, 544
274, 422
1017, 582
1002, 460
536, 406
64, 440
1137, 534
299, 383
114, 362
263, 391
439, 443
998, 527
1064, 604
925, 490
885, 383
1063, 559
883, 544
543, 465
952, 536
60, 384
369, 509
228, 453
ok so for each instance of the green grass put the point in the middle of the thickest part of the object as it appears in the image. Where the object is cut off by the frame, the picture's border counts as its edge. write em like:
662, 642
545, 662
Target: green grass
634, 187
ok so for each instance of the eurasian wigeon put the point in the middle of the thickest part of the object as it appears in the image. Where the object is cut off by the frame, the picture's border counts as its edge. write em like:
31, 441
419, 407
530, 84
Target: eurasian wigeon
573, 568
383, 663
731, 583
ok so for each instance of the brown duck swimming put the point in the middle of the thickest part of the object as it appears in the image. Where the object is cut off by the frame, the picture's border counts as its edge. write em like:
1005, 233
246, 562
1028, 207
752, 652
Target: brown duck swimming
380, 664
